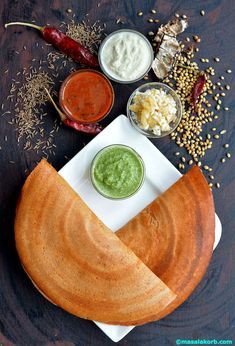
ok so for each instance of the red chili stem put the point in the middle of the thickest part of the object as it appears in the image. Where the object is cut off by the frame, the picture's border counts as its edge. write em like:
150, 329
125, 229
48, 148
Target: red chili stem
64, 44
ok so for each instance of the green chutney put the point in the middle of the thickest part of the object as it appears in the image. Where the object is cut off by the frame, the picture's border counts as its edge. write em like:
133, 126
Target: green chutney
117, 171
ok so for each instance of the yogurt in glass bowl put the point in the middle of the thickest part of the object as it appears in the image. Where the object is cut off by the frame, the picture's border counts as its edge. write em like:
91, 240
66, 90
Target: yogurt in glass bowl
125, 56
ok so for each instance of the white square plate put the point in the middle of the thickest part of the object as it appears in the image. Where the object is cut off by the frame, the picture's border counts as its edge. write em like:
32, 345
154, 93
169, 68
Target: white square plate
160, 175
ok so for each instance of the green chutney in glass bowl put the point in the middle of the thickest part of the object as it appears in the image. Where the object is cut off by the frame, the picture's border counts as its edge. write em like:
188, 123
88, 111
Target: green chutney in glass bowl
117, 171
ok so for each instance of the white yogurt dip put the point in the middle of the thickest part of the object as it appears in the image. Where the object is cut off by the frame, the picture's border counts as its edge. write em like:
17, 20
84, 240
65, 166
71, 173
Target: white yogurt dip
126, 56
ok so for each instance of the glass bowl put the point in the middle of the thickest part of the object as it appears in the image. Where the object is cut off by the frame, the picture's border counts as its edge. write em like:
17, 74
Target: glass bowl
95, 159
168, 90
103, 67
83, 72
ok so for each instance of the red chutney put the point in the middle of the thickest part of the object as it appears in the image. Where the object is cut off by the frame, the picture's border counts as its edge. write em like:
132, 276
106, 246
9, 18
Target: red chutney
86, 96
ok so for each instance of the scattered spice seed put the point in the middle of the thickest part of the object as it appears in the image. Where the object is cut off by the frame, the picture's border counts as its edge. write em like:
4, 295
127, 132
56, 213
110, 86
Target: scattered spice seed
217, 185
222, 77
216, 136
183, 159
227, 87
197, 39
153, 11
28, 118
140, 14
211, 177
69, 10
156, 20
229, 71
223, 160
190, 162
226, 145
223, 132
202, 12
226, 108
177, 153
228, 155
210, 185
88, 36
150, 20
206, 167
217, 59
177, 15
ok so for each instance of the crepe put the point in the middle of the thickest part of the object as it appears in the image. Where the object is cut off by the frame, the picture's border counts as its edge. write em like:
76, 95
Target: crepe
174, 235
77, 262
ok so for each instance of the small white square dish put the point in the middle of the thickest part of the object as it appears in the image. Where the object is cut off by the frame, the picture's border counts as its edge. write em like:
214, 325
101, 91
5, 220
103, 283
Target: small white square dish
160, 175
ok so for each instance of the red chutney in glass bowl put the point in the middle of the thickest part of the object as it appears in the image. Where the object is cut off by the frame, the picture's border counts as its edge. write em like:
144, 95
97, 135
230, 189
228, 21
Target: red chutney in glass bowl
86, 96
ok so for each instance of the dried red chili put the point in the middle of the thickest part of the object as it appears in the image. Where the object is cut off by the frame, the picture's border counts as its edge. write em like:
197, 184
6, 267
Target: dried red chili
198, 88
64, 43
92, 128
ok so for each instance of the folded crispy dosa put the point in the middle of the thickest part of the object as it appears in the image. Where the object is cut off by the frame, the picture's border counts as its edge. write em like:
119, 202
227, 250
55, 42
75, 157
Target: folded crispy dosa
174, 235
77, 262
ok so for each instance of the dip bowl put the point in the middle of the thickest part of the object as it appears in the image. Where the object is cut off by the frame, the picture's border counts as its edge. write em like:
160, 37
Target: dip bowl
112, 172
86, 96
160, 86
107, 71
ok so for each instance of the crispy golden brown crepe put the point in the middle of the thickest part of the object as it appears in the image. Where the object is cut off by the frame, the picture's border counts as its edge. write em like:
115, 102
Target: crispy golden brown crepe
77, 262
174, 235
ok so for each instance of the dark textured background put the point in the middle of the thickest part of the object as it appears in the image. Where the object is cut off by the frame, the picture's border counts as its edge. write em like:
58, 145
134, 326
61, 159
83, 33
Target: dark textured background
26, 318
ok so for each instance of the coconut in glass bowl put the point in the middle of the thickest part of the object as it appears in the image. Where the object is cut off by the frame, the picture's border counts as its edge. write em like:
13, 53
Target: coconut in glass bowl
154, 109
